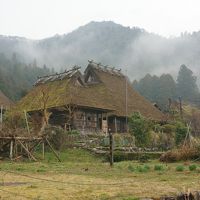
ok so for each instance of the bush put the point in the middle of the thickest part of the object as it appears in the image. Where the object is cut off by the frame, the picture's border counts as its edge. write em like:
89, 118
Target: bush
158, 167
169, 128
146, 168
131, 168
169, 156
57, 136
140, 128
181, 131
15, 120
192, 167
142, 157
180, 168
73, 132
183, 153
125, 140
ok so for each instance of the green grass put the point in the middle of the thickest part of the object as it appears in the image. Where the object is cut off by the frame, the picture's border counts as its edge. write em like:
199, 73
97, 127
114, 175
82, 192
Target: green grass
180, 168
192, 167
131, 168
158, 167
79, 166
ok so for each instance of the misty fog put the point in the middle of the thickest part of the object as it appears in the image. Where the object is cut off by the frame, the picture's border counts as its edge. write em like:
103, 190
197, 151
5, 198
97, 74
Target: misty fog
134, 49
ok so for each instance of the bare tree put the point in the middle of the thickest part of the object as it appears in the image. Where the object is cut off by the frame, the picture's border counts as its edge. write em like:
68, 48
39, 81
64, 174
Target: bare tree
44, 101
70, 105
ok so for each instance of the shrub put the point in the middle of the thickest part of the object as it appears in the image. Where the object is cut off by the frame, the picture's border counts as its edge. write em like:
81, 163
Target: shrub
181, 131
146, 168
168, 128
15, 120
187, 152
169, 156
184, 152
73, 132
131, 168
124, 140
192, 167
121, 156
144, 158
140, 128
57, 136
158, 167
180, 168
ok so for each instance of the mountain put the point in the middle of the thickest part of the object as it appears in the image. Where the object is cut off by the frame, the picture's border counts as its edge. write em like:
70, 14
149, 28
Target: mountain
134, 49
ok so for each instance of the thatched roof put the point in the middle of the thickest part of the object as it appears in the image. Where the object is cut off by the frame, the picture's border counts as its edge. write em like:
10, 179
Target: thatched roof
5, 101
68, 90
100, 88
119, 88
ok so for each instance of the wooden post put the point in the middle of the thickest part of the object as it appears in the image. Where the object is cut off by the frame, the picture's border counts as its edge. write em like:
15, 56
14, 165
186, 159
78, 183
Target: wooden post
97, 121
25, 114
106, 124
11, 149
84, 121
111, 148
27, 151
115, 124
43, 151
53, 150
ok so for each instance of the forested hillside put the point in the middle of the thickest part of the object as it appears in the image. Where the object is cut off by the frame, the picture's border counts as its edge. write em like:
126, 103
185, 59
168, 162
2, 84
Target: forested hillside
16, 77
134, 49
159, 89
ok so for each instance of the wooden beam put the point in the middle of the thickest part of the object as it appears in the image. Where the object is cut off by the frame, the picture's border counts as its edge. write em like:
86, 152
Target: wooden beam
27, 151
43, 155
53, 150
111, 148
11, 149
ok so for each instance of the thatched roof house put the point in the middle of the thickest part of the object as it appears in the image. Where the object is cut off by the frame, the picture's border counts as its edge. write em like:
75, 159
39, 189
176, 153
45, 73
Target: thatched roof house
121, 91
101, 98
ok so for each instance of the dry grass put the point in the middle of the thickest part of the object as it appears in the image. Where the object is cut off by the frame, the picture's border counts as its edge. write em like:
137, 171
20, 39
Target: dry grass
82, 176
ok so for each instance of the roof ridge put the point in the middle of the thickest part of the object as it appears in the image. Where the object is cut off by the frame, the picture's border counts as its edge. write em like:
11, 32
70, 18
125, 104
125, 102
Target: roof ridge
57, 76
75, 67
106, 68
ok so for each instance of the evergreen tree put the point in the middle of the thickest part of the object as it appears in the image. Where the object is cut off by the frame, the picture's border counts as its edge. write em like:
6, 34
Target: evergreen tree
186, 84
157, 89
167, 89
16, 78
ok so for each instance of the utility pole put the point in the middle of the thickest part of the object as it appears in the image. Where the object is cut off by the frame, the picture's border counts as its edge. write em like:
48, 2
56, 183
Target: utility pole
126, 100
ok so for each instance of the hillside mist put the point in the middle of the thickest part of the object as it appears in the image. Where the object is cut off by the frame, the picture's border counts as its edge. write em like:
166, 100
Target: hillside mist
134, 49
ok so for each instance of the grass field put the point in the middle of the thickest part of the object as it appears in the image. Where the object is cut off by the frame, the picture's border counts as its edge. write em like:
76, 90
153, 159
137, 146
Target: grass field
81, 175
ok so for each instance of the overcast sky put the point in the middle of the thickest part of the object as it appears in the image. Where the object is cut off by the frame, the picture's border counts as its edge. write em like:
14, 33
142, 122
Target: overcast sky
38, 19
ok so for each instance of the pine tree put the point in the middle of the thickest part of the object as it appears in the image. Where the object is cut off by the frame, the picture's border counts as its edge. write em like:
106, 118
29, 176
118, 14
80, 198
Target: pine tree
187, 87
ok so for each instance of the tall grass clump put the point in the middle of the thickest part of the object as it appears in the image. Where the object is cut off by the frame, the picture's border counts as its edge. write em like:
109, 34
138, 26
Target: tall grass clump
158, 167
180, 168
192, 167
